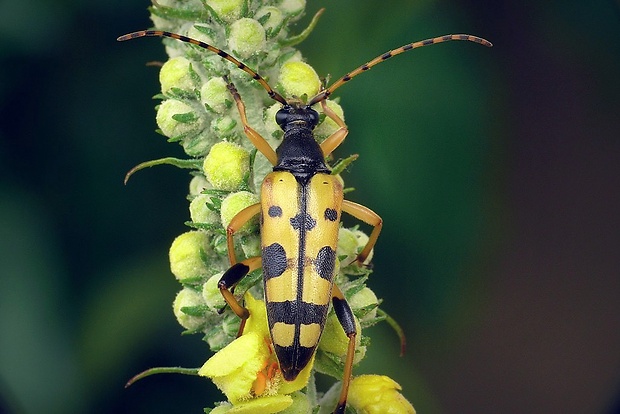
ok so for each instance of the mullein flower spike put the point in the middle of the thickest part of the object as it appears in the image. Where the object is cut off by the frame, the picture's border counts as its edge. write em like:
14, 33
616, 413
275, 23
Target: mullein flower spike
198, 112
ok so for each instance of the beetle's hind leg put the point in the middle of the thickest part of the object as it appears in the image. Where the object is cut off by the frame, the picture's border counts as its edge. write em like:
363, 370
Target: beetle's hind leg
347, 321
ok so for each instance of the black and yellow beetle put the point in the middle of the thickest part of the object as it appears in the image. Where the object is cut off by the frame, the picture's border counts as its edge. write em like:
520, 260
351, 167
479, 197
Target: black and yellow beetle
300, 210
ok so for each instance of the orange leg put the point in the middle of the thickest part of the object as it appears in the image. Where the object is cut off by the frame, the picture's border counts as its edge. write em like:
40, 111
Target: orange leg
259, 142
346, 319
235, 224
229, 280
334, 140
369, 217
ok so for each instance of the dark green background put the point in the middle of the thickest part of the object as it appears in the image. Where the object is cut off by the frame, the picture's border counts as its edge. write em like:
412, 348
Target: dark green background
495, 170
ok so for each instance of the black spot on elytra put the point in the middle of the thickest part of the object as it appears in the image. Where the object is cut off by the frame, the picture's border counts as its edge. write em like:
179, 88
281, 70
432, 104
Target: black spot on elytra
274, 260
331, 214
275, 211
303, 220
325, 262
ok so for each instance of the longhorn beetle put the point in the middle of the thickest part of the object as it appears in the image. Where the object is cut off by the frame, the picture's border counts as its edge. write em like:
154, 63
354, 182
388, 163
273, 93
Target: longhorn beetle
300, 210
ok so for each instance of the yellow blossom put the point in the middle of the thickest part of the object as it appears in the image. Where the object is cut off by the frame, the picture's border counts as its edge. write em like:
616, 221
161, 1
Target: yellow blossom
378, 394
246, 370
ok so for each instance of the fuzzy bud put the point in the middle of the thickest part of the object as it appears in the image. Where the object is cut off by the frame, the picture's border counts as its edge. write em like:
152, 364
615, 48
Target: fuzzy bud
299, 79
247, 36
176, 73
228, 10
187, 254
198, 184
293, 8
362, 299
187, 298
328, 126
233, 204
200, 212
214, 94
273, 19
211, 293
226, 166
176, 118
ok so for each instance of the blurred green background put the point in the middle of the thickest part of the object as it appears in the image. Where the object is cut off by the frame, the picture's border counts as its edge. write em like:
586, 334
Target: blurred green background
495, 170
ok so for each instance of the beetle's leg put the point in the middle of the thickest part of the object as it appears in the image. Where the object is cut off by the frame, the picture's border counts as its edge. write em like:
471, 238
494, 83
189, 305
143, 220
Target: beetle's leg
229, 280
256, 139
235, 224
369, 217
238, 270
334, 140
347, 321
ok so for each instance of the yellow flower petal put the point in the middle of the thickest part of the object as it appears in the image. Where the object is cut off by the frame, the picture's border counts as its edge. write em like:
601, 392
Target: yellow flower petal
233, 369
378, 394
266, 405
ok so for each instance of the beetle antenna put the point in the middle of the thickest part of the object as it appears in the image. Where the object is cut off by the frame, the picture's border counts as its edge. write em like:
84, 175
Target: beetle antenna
324, 94
161, 33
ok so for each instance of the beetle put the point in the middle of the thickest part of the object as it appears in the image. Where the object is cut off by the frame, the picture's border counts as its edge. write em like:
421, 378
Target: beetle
300, 211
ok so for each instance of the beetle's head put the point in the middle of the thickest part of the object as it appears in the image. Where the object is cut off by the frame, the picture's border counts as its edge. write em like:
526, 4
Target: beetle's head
297, 114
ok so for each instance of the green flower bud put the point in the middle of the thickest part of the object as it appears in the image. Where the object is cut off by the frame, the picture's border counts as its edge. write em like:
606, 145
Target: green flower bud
233, 204
214, 94
198, 184
335, 341
328, 126
200, 213
299, 79
362, 299
223, 126
377, 394
197, 31
171, 127
347, 245
228, 10
350, 244
270, 119
211, 293
293, 8
175, 73
226, 166
247, 36
188, 298
187, 254
362, 240
272, 23
251, 245
301, 404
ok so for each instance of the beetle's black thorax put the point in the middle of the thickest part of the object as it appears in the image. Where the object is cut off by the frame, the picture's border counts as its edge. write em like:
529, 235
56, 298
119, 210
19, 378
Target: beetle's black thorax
299, 153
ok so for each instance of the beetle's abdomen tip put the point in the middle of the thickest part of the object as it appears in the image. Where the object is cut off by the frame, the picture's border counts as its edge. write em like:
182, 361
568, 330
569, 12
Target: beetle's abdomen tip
290, 374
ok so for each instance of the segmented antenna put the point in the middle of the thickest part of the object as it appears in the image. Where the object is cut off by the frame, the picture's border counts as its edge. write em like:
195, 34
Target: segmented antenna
161, 33
324, 94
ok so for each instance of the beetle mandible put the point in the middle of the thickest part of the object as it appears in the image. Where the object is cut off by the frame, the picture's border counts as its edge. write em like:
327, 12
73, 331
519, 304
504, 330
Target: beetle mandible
300, 210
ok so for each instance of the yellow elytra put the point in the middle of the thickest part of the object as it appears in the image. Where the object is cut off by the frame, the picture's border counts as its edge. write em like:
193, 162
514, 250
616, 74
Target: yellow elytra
300, 209
299, 236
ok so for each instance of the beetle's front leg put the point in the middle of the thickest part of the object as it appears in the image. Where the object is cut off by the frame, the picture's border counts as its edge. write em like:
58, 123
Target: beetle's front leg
334, 140
259, 142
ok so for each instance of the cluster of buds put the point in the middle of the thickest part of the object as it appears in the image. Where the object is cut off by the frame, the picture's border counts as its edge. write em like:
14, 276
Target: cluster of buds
198, 112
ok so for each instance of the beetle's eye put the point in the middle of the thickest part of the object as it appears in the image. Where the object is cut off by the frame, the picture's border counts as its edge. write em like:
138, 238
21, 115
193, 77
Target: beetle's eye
313, 117
282, 117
